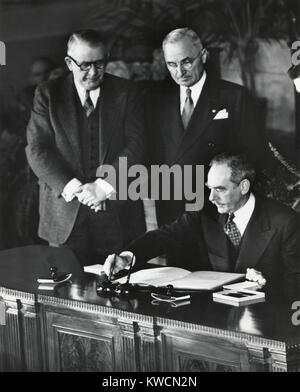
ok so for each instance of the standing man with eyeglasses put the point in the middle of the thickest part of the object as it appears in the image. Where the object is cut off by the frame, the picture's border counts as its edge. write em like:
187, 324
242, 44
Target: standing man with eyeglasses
79, 123
200, 116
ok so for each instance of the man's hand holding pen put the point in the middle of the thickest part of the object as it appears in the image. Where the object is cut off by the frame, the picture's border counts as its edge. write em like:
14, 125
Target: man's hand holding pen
116, 263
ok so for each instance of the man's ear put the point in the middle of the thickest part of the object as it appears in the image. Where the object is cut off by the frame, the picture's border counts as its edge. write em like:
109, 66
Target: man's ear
245, 186
204, 55
68, 62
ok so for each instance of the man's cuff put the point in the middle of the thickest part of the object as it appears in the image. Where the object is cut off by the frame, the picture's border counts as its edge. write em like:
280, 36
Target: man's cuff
70, 189
129, 255
107, 188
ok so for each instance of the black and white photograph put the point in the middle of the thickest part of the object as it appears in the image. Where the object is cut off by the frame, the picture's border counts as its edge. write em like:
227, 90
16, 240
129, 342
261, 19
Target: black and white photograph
149, 189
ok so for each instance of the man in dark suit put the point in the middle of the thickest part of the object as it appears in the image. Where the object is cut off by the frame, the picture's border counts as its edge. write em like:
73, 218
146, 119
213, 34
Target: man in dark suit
236, 232
79, 123
200, 116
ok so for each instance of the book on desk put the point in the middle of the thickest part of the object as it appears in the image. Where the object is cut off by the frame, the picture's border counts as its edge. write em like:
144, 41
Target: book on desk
181, 279
236, 294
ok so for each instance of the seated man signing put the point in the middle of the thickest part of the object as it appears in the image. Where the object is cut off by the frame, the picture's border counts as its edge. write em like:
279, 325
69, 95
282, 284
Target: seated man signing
236, 232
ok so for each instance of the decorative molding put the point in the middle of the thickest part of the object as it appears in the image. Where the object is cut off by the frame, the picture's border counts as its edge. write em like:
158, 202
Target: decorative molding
279, 367
94, 308
13, 341
147, 334
128, 330
221, 333
259, 358
186, 364
85, 354
3, 358
148, 355
138, 342
128, 350
127, 327
289, 361
13, 295
32, 341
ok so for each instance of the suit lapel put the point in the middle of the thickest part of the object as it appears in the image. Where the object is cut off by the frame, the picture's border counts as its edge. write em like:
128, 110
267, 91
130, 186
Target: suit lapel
111, 103
170, 123
256, 238
202, 116
66, 112
216, 239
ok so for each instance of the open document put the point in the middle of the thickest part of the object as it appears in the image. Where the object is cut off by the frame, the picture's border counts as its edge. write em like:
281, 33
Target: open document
181, 278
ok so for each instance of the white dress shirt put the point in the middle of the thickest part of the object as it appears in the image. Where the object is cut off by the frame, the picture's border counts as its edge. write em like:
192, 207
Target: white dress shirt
196, 90
94, 94
243, 215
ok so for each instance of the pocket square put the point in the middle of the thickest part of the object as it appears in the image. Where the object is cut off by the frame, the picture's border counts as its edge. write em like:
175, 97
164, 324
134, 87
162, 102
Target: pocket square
221, 115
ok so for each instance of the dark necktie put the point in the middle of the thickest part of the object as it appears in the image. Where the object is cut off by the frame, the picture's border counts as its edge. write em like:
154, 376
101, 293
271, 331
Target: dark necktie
89, 108
88, 104
232, 231
188, 108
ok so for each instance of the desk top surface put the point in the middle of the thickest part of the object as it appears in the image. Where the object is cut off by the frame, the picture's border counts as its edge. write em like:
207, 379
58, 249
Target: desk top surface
272, 319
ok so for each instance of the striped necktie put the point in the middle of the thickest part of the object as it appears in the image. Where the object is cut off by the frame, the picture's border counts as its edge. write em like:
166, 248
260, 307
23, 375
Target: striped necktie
232, 231
88, 104
188, 108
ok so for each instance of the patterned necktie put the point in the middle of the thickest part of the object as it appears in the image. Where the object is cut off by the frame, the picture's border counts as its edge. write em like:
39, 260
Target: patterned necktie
88, 104
232, 231
188, 108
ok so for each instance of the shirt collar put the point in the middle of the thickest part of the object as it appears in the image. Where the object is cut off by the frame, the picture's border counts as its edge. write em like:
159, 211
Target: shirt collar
196, 90
243, 215
94, 94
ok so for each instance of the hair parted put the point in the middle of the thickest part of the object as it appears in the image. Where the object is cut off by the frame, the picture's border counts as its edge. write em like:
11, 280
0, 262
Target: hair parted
91, 37
179, 34
241, 167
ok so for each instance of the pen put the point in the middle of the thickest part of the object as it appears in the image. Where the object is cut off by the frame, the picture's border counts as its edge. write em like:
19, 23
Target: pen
112, 267
130, 268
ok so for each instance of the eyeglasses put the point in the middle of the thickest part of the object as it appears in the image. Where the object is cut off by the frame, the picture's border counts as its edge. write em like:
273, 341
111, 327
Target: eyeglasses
86, 65
186, 64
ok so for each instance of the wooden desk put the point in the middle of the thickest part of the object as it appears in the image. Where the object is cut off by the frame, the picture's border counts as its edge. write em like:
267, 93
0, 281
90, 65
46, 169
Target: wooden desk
73, 329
